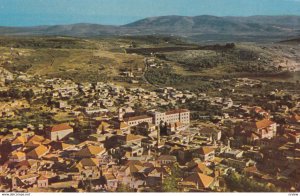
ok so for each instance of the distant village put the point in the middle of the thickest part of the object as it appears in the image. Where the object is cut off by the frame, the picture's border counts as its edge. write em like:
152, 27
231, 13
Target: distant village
60, 136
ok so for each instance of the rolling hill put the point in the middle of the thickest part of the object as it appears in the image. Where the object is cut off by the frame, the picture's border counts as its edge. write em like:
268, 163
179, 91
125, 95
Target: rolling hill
202, 24
198, 28
295, 41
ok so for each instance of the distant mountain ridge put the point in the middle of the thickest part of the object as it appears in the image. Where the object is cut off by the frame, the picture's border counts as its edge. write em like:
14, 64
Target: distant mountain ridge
197, 27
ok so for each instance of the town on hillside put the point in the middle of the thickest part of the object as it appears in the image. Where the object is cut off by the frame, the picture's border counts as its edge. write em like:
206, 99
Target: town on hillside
57, 135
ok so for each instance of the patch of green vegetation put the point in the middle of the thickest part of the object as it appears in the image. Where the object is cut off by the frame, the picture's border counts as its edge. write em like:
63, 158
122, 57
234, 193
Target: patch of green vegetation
245, 59
103, 59
15, 93
18, 67
124, 188
171, 182
236, 182
202, 108
34, 59
27, 117
137, 41
45, 42
163, 76
81, 76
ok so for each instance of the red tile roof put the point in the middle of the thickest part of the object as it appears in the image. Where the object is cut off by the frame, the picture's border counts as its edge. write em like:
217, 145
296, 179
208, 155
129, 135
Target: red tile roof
200, 179
295, 117
123, 125
42, 178
263, 123
132, 137
206, 150
38, 152
167, 157
23, 163
90, 151
133, 118
177, 111
60, 127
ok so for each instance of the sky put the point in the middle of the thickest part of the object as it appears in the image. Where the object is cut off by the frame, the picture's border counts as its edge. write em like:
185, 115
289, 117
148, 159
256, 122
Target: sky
119, 12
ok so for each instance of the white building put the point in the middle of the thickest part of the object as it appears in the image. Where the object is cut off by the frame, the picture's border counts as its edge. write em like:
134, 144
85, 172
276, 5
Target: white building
58, 132
174, 116
136, 120
95, 110
179, 115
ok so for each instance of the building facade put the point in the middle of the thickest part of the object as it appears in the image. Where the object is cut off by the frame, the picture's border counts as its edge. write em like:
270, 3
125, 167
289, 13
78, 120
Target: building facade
59, 132
173, 116
134, 121
180, 115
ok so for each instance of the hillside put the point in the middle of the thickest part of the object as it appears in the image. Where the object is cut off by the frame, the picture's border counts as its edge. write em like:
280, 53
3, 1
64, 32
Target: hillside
206, 24
109, 59
295, 41
198, 28
77, 30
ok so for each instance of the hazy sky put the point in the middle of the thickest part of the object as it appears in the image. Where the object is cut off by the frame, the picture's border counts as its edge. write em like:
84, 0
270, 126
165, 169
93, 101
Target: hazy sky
117, 12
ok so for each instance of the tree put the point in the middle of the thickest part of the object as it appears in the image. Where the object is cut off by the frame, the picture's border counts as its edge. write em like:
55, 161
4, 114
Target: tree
232, 182
170, 184
28, 95
124, 188
14, 93
70, 190
236, 182
176, 171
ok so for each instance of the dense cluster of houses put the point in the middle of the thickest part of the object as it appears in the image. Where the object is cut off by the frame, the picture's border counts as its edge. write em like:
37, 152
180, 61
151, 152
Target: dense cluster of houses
102, 141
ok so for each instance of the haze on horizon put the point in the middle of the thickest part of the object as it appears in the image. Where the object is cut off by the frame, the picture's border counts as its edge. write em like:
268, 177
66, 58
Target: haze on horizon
119, 12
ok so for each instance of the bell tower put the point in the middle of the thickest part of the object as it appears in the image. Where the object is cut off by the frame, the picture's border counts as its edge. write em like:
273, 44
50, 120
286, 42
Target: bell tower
121, 114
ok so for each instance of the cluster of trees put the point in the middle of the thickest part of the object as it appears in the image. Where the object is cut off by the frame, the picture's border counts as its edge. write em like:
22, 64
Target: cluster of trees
42, 43
194, 62
17, 94
18, 67
236, 182
204, 86
219, 47
203, 108
28, 117
229, 56
170, 183
87, 75
203, 63
124, 188
166, 76
163, 76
